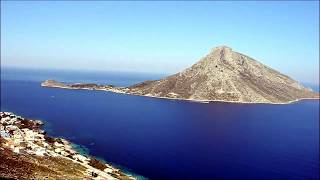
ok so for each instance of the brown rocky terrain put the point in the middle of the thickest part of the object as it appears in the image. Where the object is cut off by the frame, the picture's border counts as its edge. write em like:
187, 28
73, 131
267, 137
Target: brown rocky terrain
25, 166
226, 75
222, 75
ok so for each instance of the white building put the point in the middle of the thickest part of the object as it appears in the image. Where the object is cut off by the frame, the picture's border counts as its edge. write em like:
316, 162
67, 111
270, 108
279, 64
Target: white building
39, 151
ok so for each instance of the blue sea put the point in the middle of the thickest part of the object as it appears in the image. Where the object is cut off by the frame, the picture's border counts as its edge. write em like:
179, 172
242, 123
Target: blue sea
170, 139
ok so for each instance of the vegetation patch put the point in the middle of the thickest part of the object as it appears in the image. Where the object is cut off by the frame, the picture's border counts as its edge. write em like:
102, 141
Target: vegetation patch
97, 164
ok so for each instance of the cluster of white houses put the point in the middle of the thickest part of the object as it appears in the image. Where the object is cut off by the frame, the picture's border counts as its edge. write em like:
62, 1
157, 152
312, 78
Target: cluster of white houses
33, 141
25, 136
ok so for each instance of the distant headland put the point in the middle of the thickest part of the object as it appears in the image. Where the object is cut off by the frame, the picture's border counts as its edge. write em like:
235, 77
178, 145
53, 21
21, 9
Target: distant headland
222, 75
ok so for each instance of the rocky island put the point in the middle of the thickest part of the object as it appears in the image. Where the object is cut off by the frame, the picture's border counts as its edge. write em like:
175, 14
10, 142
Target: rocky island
27, 152
222, 75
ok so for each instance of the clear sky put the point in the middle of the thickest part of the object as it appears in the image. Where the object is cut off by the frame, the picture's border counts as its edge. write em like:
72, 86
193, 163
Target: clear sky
159, 37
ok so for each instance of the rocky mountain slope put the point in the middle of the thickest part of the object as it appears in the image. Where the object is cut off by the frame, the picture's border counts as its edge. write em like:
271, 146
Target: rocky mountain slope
222, 75
226, 75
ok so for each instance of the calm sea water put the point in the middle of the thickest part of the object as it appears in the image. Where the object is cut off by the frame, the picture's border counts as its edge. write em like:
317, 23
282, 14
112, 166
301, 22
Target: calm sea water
168, 139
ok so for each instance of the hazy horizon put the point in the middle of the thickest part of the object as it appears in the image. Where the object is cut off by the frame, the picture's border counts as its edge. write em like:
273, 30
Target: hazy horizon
159, 37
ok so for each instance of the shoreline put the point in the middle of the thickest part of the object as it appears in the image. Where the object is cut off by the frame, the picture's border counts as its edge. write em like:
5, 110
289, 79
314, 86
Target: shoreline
25, 138
121, 90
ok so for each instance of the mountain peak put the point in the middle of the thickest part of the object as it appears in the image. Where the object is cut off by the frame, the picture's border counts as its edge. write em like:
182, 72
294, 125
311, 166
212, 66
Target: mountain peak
222, 47
222, 75
226, 75
221, 53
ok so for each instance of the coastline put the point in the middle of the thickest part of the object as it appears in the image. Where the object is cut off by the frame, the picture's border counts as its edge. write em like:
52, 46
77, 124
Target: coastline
24, 139
123, 90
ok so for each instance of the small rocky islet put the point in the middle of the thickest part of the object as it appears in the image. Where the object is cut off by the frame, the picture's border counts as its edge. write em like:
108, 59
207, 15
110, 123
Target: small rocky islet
27, 152
222, 75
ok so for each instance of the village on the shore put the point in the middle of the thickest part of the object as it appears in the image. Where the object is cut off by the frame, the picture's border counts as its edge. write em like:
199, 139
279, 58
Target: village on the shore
24, 136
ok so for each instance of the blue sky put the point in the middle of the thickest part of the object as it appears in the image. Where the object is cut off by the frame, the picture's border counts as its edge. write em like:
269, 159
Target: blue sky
159, 37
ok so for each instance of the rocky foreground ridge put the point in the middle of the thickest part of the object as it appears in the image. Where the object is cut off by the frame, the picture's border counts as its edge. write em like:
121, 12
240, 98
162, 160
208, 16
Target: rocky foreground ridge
26, 152
222, 75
